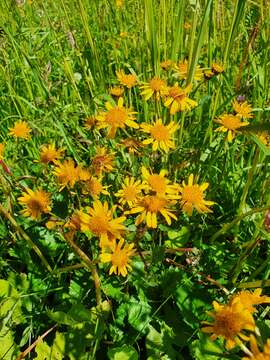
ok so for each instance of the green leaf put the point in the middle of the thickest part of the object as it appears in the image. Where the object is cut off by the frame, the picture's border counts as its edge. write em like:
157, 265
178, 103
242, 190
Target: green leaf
61, 318
10, 303
139, 315
206, 349
124, 352
8, 348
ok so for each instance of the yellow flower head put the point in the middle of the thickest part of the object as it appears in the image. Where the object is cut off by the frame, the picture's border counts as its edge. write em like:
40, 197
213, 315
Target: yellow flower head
177, 99
99, 220
230, 124
20, 130
149, 207
2, 148
90, 122
116, 91
128, 80
119, 256
94, 187
159, 184
166, 64
116, 117
160, 135
130, 192
133, 145
35, 202
155, 87
50, 154
102, 161
264, 137
256, 354
67, 173
242, 109
187, 25
192, 196
119, 3
181, 71
249, 299
229, 322
217, 69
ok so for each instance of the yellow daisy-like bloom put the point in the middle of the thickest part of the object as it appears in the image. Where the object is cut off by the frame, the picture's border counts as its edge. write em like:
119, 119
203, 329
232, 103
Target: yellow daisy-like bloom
217, 69
249, 299
242, 109
192, 196
177, 99
230, 124
102, 161
67, 173
181, 71
161, 135
2, 148
90, 122
229, 322
127, 80
50, 154
208, 74
131, 191
155, 87
158, 184
99, 220
94, 187
20, 130
116, 117
133, 145
256, 354
116, 91
264, 137
166, 64
149, 207
119, 257
36, 203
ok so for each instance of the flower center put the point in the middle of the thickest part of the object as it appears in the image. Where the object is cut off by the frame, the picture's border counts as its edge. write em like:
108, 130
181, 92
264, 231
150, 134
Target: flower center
156, 84
94, 187
130, 193
154, 204
192, 194
231, 122
116, 117
160, 132
119, 259
157, 183
35, 205
227, 324
177, 94
99, 224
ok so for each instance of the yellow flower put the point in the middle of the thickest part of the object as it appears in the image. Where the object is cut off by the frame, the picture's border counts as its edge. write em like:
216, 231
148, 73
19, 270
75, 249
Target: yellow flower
130, 192
2, 148
116, 91
90, 122
99, 220
256, 354
102, 161
192, 196
119, 257
133, 145
217, 69
20, 130
161, 135
67, 173
116, 117
128, 80
208, 74
123, 34
187, 25
149, 207
182, 71
36, 203
119, 3
155, 87
242, 109
94, 187
249, 299
158, 184
264, 137
230, 123
50, 154
166, 64
229, 322
177, 99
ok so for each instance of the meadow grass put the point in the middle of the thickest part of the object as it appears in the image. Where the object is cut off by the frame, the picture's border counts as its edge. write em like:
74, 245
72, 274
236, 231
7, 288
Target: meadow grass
63, 295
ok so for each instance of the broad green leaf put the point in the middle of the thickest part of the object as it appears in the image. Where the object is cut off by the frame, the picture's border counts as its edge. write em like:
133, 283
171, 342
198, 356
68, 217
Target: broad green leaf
124, 352
8, 348
10, 303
